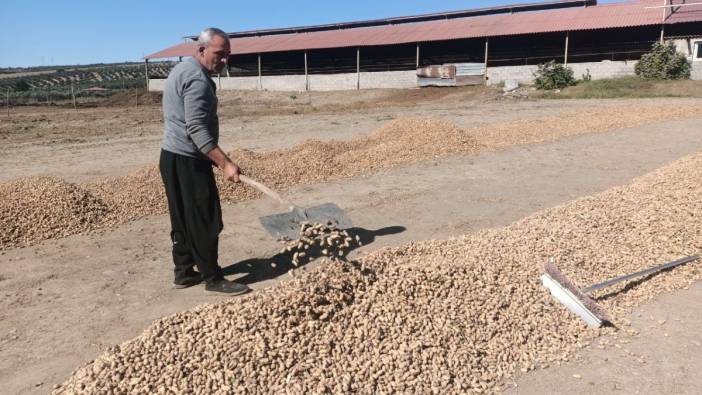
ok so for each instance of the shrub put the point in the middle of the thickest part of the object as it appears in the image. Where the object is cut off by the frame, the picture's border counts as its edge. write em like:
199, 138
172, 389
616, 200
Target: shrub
22, 86
553, 75
663, 62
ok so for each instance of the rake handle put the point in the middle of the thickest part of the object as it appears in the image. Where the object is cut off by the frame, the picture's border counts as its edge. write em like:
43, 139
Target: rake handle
641, 273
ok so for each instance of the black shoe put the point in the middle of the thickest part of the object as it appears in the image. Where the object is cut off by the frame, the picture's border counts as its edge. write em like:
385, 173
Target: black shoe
188, 281
226, 287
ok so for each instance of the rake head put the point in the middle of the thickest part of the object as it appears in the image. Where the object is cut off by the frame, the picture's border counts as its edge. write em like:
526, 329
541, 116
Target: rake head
568, 294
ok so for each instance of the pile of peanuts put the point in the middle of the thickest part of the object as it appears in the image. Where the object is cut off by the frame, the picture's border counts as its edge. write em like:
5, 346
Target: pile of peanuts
401, 141
323, 240
438, 316
40, 208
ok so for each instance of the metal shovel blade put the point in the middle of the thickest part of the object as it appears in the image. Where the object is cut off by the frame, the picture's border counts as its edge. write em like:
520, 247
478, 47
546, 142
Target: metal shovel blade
288, 224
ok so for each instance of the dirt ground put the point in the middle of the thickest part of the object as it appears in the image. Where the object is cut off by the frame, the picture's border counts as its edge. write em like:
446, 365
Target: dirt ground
64, 301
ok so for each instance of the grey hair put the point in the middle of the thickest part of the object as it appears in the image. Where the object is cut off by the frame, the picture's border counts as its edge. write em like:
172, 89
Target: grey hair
203, 40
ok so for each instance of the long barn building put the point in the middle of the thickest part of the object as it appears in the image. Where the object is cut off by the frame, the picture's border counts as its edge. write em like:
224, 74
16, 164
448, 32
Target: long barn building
488, 45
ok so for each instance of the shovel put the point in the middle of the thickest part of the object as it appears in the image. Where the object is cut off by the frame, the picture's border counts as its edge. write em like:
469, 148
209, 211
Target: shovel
287, 225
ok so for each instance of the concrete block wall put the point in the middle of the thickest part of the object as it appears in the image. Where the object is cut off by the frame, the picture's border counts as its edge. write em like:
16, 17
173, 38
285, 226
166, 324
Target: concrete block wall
156, 85
521, 74
696, 72
598, 70
333, 82
317, 82
389, 80
284, 83
242, 83
682, 46
605, 69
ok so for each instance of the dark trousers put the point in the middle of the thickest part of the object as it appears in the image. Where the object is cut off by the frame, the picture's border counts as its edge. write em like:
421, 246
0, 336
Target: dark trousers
196, 215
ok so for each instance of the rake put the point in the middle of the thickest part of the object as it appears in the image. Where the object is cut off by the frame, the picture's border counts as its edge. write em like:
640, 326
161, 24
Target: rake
577, 300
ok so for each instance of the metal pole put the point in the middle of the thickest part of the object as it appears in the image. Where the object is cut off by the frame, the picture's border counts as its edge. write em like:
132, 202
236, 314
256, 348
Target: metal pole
136, 97
307, 77
259, 72
146, 70
417, 55
358, 68
665, 2
487, 42
48, 98
8, 102
75, 107
565, 60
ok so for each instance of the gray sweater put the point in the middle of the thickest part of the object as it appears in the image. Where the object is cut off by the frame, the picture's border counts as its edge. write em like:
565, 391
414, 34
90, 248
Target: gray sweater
191, 126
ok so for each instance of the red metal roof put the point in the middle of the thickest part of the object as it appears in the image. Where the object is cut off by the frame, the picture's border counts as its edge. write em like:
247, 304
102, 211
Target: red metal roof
473, 12
184, 49
604, 16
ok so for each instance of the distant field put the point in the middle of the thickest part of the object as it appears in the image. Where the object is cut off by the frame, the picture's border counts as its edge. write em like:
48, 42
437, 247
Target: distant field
49, 84
4, 74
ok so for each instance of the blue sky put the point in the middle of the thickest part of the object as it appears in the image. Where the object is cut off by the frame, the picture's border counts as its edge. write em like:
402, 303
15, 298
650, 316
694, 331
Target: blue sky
55, 32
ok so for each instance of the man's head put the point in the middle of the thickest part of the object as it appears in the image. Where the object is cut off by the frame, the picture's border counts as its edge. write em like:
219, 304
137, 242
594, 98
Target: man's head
213, 49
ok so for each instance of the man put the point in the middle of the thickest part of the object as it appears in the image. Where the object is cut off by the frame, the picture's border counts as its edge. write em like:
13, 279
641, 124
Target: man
189, 150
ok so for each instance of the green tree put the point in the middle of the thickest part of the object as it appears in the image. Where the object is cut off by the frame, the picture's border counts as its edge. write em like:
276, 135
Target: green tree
663, 62
22, 86
552, 75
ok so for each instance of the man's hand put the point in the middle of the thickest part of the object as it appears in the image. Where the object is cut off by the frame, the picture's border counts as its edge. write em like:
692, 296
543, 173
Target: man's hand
230, 169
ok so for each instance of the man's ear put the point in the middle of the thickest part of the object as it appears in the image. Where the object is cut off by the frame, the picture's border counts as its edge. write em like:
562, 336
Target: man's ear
200, 49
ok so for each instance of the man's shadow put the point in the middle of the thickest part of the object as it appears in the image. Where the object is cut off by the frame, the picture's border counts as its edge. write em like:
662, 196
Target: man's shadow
261, 269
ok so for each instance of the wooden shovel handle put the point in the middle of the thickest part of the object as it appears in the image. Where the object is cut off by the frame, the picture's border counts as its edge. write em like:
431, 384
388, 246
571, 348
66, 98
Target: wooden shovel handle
264, 189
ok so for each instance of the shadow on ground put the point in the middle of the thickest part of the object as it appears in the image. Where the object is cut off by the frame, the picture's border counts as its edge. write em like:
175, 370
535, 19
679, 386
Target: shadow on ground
261, 269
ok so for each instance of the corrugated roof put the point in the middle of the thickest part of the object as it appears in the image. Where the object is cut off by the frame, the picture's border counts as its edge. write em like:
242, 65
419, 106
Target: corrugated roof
501, 9
184, 49
605, 16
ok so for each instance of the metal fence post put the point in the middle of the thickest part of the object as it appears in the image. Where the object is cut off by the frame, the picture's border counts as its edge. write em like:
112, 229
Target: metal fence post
358, 68
307, 76
146, 72
7, 102
485, 68
73, 95
665, 2
260, 85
